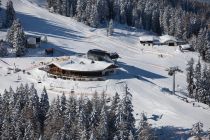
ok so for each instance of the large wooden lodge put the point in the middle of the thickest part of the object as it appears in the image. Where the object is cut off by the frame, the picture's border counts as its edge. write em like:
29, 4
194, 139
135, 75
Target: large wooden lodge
81, 69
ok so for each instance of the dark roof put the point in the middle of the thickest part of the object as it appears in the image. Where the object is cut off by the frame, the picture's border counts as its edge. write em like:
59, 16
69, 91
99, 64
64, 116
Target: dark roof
97, 50
103, 53
35, 36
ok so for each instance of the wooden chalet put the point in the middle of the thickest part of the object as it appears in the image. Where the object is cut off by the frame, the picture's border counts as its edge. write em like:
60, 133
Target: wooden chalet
147, 40
168, 40
82, 69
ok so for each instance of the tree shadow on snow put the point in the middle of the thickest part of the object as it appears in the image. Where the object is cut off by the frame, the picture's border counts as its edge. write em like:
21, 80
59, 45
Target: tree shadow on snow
129, 72
172, 133
45, 27
57, 51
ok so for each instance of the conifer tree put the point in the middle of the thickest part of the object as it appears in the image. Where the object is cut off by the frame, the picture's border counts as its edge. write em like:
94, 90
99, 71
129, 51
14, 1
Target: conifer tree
103, 10
44, 107
207, 55
197, 130
1, 113
113, 114
197, 77
103, 125
94, 17
110, 29
10, 14
3, 49
120, 124
190, 78
92, 136
130, 136
128, 111
144, 131
55, 120
29, 132
7, 130
19, 40
63, 103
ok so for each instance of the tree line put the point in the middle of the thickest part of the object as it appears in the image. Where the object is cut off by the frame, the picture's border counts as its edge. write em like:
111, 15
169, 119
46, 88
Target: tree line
180, 18
198, 79
184, 19
26, 116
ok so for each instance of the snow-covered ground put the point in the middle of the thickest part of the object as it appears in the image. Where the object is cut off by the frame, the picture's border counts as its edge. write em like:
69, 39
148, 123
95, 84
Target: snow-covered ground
143, 68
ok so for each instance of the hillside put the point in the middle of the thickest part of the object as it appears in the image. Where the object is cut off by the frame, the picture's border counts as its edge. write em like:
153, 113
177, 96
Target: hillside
141, 67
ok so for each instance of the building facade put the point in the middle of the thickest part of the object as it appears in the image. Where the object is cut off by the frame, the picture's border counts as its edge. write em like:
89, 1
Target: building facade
83, 70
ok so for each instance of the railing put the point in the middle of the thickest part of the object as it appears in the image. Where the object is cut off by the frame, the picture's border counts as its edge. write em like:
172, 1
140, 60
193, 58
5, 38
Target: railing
76, 78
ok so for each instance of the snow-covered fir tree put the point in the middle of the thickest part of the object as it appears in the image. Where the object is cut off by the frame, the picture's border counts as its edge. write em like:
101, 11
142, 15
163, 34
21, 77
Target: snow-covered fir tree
110, 28
207, 54
202, 42
16, 37
197, 130
190, 77
103, 125
144, 131
198, 82
3, 49
10, 14
113, 115
19, 39
197, 77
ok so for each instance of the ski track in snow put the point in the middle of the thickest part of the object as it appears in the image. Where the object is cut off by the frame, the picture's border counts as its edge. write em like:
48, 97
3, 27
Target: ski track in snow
142, 69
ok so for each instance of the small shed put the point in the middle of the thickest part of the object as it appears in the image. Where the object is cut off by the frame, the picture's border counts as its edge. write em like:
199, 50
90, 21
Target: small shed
168, 40
187, 47
147, 40
33, 41
49, 51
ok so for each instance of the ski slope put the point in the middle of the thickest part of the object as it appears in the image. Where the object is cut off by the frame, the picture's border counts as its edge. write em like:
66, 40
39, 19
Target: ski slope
142, 68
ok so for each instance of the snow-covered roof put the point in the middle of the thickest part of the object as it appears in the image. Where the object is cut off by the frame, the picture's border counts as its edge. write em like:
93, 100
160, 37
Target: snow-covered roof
82, 64
166, 38
146, 38
186, 46
31, 40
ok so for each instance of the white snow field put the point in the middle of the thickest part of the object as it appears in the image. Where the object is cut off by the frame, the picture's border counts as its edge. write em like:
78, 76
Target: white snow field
143, 68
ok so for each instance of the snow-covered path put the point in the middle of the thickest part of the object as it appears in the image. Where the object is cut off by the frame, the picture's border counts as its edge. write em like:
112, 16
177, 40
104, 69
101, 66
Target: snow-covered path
142, 69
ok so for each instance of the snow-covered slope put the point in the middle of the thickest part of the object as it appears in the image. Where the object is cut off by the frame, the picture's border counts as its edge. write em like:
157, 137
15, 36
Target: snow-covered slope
142, 68
41, 3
